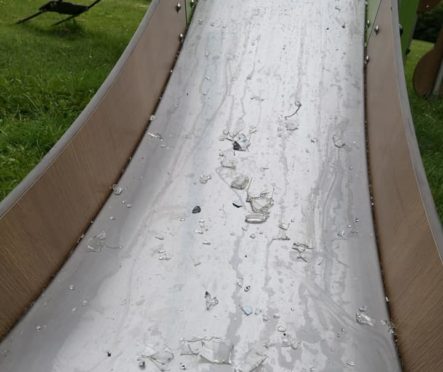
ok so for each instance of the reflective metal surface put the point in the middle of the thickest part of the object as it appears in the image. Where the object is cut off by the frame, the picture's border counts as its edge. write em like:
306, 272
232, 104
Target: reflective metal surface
300, 291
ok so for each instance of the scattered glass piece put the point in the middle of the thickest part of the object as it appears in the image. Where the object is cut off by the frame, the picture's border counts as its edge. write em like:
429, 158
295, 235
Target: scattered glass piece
240, 182
241, 142
116, 189
97, 242
216, 351
338, 142
253, 360
362, 318
160, 359
211, 302
247, 310
261, 204
155, 135
204, 178
256, 217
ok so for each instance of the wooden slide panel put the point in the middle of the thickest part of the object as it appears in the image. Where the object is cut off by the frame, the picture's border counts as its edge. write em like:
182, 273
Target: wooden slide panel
42, 219
408, 228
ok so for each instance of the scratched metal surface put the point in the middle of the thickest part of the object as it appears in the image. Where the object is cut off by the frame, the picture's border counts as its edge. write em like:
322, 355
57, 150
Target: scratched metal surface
135, 287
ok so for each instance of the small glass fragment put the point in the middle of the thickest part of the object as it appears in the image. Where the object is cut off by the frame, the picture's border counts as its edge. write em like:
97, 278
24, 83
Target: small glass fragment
390, 326
362, 318
155, 135
216, 351
241, 142
300, 247
262, 203
254, 358
338, 142
211, 302
240, 182
116, 189
291, 125
283, 226
204, 178
247, 310
97, 242
256, 217
228, 160
160, 359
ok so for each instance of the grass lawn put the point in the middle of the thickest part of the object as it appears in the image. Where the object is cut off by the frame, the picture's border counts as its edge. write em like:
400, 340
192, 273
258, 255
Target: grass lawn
428, 120
48, 74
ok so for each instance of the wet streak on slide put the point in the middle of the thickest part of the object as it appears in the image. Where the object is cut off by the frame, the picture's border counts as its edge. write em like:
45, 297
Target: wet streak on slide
240, 236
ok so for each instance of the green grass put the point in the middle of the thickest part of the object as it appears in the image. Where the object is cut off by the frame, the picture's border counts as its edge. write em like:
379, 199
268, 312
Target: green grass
49, 74
428, 120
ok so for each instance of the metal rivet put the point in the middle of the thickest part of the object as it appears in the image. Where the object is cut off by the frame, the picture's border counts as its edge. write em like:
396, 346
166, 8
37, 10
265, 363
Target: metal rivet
192, 3
368, 23
178, 7
377, 29
181, 37
367, 59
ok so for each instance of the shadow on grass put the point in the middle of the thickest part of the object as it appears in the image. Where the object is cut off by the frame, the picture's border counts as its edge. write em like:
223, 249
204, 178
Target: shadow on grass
70, 30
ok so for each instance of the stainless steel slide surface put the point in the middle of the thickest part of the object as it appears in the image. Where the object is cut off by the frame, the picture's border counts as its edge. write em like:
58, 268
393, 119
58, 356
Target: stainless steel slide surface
207, 258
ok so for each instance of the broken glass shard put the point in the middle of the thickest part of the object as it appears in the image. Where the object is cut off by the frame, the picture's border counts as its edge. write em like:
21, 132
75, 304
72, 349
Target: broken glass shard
390, 326
281, 235
253, 360
211, 302
362, 318
160, 359
204, 178
247, 310
300, 247
283, 226
289, 341
256, 217
216, 351
155, 135
241, 142
338, 142
191, 347
228, 161
116, 189
240, 182
291, 125
262, 203
97, 242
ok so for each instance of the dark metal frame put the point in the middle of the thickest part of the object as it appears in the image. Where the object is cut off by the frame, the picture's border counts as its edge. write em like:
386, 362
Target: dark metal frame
61, 7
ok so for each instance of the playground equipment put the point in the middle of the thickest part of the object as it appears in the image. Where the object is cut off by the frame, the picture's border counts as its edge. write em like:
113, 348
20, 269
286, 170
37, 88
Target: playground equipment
219, 217
61, 7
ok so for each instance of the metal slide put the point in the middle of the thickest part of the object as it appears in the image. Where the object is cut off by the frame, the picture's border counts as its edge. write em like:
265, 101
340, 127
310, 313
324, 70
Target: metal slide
240, 237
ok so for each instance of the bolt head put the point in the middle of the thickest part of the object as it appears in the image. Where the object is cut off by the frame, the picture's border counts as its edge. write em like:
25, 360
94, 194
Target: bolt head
377, 29
178, 7
181, 37
367, 59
